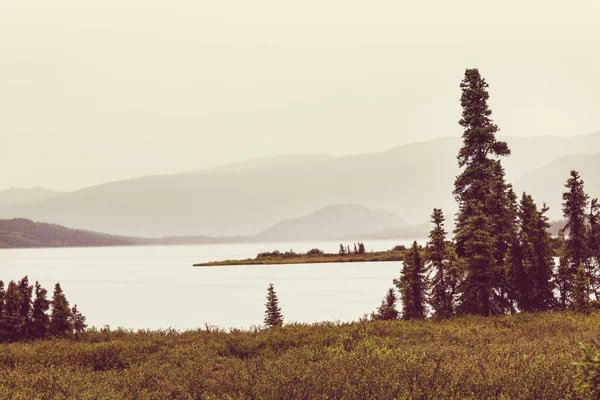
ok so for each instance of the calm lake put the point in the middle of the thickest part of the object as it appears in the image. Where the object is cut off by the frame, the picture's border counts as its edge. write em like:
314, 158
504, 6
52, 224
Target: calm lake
157, 287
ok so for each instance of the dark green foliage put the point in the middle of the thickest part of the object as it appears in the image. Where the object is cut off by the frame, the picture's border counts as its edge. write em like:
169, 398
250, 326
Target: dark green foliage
576, 251
593, 259
61, 324
40, 321
532, 263
442, 286
315, 252
342, 250
273, 316
476, 289
277, 254
412, 285
78, 321
13, 319
485, 220
588, 377
581, 295
387, 310
361, 248
25, 290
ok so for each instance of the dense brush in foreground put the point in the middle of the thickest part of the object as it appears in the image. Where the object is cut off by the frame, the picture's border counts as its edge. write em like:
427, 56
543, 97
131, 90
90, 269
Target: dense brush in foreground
511, 357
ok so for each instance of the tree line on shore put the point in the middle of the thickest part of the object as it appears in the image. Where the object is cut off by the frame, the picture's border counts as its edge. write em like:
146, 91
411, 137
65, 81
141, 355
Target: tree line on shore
26, 313
501, 258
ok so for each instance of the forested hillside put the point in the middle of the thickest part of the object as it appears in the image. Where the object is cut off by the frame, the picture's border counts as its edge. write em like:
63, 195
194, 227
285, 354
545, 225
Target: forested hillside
19, 233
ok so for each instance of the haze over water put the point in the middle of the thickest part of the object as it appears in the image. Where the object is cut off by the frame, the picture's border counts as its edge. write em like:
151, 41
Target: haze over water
157, 287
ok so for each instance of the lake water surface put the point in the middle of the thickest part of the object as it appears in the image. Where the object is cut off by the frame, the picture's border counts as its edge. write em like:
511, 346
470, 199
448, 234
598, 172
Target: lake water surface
157, 287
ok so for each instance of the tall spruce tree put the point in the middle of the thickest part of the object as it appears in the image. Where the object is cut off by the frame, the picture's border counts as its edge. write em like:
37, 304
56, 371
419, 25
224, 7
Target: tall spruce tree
273, 315
574, 207
13, 319
534, 265
61, 319
40, 320
441, 300
26, 299
387, 311
412, 285
483, 202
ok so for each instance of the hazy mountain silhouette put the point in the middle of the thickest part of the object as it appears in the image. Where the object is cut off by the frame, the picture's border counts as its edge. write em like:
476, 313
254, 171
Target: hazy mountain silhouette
13, 195
546, 184
245, 198
333, 222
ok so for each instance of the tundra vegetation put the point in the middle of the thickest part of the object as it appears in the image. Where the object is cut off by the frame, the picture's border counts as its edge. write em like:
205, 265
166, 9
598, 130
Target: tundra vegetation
484, 314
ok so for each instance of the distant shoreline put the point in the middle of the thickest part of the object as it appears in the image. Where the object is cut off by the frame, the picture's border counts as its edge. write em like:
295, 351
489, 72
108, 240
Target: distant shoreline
378, 256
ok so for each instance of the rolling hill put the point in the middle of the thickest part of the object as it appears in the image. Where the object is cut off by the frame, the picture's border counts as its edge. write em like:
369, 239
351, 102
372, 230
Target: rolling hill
245, 198
332, 222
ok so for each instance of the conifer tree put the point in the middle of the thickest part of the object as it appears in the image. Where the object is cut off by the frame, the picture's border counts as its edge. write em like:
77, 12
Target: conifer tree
40, 321
576, 246
533, 267
387, 310
79, 324
476, 289
61, 318
412, 285
273, 316
441, 291
483, 199
13, 318
581, 296
593, 264
26, 299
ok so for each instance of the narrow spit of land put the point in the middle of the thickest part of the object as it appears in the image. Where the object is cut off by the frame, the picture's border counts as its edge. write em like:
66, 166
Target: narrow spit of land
324, 258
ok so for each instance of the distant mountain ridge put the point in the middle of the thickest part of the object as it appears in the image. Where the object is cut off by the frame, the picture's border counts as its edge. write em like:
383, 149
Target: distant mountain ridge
332, 222
245, 198
13, 195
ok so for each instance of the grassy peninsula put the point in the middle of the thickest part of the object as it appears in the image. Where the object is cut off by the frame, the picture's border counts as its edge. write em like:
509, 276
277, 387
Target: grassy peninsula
314, 256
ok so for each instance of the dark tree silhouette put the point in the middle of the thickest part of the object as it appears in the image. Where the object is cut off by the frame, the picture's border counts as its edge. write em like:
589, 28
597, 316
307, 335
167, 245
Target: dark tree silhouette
273, 316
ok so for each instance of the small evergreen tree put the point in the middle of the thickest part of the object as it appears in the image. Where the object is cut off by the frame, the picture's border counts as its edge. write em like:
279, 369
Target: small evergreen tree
441, 291
361, 248
273, 316
412, 285
40, 321
61, 319
13, 319
79, 324
26, 299
342, 250
387, 310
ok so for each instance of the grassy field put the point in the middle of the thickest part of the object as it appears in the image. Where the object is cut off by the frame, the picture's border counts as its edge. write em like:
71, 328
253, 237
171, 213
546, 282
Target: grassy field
377, 256
510, 357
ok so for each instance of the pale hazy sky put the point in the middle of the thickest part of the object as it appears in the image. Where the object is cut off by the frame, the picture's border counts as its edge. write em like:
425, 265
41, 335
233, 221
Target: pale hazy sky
99, 90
